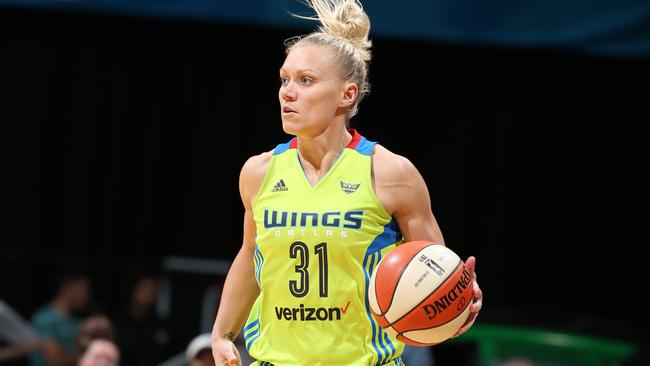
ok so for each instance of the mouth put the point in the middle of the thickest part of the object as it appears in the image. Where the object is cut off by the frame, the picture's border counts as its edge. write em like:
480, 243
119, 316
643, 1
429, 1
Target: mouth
286, 110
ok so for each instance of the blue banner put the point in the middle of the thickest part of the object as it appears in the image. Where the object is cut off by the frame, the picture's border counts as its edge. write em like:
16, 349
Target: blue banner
608, 27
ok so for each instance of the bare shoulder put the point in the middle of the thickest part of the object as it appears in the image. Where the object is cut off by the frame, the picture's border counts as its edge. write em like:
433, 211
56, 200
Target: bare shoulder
255, 167
389, 167
404, 193
397, 182
251, 176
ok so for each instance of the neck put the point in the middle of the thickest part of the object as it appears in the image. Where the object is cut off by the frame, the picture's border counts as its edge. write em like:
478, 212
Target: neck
62, 305
319, 153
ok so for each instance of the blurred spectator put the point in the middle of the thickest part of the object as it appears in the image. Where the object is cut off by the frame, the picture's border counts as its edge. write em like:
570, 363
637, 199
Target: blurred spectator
16, 333
199, 351
57, 324
143, 337
211, 300
95, 326
100, 352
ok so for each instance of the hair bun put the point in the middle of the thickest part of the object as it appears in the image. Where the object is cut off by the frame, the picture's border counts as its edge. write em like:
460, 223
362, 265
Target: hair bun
345, 19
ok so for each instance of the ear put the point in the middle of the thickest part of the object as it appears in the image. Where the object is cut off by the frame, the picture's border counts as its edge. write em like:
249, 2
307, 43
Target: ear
350, 92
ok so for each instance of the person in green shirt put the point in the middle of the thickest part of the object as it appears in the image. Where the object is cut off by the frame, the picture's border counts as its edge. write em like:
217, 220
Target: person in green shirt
56, 323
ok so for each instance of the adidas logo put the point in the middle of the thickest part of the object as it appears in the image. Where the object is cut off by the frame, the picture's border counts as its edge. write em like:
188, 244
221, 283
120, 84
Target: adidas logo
348, 187
280, 186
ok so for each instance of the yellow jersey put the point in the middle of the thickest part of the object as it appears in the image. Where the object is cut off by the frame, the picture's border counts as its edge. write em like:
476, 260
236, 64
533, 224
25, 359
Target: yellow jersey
315, 250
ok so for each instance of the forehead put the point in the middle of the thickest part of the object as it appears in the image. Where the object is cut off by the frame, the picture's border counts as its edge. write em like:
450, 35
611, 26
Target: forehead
317, 58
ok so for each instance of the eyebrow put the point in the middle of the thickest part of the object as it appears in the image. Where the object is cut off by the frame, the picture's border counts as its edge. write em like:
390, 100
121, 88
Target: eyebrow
303, 70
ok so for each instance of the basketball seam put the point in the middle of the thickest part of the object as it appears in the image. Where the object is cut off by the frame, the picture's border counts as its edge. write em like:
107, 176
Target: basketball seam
426, 297
439, 325
392, 295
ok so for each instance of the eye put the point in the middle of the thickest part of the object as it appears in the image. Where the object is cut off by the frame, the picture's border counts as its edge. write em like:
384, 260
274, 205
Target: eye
284, 80
306, 80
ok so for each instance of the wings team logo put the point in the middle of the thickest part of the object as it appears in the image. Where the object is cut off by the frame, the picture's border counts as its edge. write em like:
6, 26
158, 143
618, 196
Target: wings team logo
349, 188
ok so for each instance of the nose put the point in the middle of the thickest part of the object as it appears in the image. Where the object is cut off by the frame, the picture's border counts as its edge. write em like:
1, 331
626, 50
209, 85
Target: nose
288, 92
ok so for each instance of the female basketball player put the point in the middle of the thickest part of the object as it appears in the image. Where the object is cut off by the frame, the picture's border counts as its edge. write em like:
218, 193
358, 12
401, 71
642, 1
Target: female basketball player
320, 212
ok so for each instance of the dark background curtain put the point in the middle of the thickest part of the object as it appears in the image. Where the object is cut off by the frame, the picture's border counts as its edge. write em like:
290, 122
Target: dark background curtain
123, 137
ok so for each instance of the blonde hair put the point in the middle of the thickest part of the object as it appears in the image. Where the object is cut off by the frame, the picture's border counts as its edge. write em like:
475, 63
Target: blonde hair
344, 28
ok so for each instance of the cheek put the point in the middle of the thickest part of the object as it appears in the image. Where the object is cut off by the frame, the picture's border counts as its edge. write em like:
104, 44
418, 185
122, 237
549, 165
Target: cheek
322, 102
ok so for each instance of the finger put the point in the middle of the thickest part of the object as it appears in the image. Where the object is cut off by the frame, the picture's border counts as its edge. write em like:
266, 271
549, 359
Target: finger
470, 265
478, 293
232, 361
476, 307
235, 350
230, 358
463, 329
235, 355
468, 323
477, 301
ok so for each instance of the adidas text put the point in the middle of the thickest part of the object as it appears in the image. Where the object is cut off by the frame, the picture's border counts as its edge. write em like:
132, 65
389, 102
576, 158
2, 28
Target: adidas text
280, 186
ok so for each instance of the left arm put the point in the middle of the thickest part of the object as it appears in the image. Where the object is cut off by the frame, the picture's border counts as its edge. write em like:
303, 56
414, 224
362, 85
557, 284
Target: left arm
403, 192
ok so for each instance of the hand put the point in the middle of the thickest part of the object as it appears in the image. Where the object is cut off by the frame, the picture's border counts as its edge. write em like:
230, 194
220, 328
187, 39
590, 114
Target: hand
477, 304
225, 353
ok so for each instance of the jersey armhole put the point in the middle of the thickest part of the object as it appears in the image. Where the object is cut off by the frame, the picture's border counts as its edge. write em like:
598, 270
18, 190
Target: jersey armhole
371, 185
263, 184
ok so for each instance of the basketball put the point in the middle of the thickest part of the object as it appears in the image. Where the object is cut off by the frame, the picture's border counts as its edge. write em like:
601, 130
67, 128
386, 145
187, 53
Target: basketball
420, 293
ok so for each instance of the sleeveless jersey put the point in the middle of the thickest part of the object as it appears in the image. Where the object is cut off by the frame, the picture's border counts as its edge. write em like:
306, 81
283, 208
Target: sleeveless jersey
316, 248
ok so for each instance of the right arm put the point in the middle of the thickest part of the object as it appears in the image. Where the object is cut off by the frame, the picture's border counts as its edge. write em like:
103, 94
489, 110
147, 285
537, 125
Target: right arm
240, 288
55, 355
14, 330
17, 351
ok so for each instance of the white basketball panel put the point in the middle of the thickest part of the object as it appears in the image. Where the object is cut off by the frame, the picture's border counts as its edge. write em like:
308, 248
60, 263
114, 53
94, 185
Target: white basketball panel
423, 274
441, 333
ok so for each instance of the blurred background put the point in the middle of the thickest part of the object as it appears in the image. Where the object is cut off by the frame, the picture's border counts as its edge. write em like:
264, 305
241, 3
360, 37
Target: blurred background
124, 126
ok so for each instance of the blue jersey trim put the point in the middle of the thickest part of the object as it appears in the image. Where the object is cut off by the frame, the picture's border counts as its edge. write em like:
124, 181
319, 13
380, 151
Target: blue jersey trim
252, 333
364, 146
251, 325
389, 236
282, 148
250, 342
252, 337
367, 270
259, 261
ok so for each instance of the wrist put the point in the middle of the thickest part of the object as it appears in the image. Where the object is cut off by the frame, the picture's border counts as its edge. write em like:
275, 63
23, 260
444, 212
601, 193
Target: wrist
228, 336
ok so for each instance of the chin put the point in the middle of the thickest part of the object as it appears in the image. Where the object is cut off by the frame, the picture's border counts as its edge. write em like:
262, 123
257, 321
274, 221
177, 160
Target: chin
291, 127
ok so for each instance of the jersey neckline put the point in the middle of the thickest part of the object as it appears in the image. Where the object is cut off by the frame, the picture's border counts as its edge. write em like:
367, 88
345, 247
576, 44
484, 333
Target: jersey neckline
356, 138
